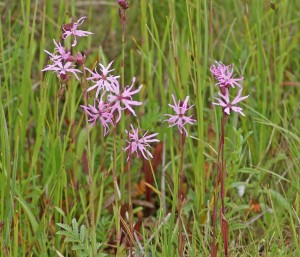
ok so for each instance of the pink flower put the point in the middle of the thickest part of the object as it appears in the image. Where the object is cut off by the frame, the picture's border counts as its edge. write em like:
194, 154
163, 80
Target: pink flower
224, 74
227, 105
63, 54
119, 99
218, 70
62, 69
102, 81
136, 144
99, 111
180, 118
71, 29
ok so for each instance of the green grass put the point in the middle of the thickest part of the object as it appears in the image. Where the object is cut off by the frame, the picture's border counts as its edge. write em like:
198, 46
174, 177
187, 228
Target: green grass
169, 47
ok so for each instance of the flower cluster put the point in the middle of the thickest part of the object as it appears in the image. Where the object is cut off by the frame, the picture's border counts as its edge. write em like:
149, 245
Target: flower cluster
226, 80
62, 62
115, 98
110, 98
118, 99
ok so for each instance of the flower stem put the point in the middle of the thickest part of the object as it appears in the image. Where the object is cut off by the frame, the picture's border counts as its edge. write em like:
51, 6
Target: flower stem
116, 187
130, 211
91, 184
224, 224
123, 47
220, 181
180, 199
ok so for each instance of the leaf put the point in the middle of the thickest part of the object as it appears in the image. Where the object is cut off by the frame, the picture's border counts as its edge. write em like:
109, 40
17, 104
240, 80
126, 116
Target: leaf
58, 253
248, 170
75, 226
82, 233
72, 239
280, 200
64, 226
60, 211
29, 213
81, 142
78, 247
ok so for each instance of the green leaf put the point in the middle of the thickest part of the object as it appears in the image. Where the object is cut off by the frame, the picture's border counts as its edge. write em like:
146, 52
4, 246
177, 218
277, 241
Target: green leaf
28, 211
64, 226
60, 211
280, 200
82, 233
75, 226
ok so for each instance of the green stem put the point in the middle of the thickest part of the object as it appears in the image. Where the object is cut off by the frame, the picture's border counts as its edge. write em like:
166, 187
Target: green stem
91, 183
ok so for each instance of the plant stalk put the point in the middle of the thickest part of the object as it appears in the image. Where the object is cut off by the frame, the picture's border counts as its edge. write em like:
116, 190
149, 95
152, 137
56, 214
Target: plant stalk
91, 183
180, 199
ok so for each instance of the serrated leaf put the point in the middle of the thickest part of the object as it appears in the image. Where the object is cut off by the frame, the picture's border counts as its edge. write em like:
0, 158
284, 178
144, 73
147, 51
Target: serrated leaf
73, 239
78, 247
98, 245
64, 226
82, 233
75, 226
66, 233
83, 254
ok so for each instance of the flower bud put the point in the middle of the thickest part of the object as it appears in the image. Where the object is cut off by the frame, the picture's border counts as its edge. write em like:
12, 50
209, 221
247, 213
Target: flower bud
80, 58
123, 4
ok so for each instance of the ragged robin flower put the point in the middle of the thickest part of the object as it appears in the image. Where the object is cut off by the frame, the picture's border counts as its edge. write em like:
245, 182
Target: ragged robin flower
139, 144
62, 70
102, 80
121, 99
224, 75
99, 111
71, 29
227, 105
180, 118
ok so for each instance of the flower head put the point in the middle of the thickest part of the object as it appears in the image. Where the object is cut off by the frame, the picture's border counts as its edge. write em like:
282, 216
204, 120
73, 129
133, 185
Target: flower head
60, 53
123, 4
79, 58
180, 118
62, 69
101, 111
224, 75
71, 29
122, 100
103, 80
227, 105
138, 144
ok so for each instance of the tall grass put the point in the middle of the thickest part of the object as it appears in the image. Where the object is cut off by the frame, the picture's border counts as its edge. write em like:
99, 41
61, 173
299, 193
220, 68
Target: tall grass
169, 47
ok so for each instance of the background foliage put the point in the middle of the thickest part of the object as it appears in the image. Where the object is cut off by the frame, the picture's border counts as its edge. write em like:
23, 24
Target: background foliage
169, 47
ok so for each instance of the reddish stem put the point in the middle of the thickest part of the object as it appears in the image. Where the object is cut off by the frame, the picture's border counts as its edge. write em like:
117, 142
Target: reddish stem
222, 171
220, 180
180, 199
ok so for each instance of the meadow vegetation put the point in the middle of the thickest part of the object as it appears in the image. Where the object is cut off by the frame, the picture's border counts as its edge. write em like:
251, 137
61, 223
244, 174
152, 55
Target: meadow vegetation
66, 189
